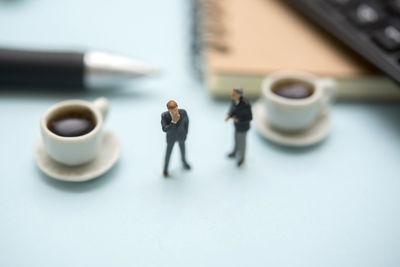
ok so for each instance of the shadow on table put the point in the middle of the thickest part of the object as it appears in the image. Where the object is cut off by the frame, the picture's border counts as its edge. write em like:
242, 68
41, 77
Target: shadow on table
386, 113
80, 187
293, 150
11, 2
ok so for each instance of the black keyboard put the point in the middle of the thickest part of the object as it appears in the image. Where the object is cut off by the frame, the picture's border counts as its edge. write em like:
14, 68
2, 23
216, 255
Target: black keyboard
369, 27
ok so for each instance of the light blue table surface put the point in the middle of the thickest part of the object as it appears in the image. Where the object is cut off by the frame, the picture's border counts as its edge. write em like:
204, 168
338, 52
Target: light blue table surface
336, 204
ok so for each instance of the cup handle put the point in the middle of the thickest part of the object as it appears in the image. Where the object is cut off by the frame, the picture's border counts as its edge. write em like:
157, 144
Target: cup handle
328, 86
102, 105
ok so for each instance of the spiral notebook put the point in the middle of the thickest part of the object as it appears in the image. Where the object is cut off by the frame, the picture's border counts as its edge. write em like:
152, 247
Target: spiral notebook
240, 42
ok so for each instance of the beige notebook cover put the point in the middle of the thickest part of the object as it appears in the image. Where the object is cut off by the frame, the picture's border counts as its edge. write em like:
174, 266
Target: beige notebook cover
246, 40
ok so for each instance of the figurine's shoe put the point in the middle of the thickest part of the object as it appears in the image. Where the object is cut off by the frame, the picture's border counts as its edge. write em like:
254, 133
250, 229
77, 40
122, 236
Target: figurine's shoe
166, 174
186, 166
231, 155
240, 163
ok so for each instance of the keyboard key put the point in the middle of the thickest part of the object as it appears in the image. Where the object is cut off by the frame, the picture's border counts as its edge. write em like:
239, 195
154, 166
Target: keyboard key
342, 3
388, 38
394, 6
365, 14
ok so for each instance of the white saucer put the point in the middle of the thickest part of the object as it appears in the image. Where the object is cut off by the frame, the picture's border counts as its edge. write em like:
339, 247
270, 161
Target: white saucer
106, 158
316, 133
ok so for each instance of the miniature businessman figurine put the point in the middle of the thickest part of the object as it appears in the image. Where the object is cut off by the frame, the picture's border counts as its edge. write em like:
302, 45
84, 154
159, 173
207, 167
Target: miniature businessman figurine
240, 112
175, 122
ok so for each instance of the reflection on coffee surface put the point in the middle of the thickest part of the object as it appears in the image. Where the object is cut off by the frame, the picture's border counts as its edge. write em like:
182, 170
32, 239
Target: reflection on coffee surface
293, 89
72, 123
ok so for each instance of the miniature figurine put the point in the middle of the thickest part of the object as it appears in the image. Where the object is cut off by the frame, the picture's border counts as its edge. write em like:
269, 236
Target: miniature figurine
175, 122
240, 111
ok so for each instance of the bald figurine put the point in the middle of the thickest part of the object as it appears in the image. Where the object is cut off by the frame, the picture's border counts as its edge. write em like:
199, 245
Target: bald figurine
240, 112
175, 122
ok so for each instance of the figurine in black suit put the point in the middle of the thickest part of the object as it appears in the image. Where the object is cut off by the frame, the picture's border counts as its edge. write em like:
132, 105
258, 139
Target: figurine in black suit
175, 122
240, 111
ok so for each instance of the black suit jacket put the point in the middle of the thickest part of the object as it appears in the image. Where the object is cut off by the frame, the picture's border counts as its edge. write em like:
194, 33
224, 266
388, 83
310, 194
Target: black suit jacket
241, 111
175, 131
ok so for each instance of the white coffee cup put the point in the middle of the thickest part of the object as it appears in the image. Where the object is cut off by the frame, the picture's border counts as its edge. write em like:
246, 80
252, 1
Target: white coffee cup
288, 114
74, 150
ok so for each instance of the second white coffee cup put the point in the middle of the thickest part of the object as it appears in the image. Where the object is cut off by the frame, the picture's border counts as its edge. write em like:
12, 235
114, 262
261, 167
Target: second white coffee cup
293, 115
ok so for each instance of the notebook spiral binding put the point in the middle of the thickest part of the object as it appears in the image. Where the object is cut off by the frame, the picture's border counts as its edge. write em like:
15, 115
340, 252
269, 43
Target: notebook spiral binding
208, 31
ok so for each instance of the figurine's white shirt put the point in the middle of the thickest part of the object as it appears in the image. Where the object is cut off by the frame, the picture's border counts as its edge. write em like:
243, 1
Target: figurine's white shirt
171, 117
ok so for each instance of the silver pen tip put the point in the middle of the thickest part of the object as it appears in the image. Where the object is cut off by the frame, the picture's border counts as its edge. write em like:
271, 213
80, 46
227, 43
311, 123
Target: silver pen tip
105, 69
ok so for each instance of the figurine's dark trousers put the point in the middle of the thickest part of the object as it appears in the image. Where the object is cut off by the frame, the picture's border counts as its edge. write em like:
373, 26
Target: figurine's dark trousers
170, 146
240, 145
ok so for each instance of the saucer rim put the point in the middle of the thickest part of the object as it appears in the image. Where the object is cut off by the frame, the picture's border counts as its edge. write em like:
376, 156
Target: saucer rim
86, 176
277, 137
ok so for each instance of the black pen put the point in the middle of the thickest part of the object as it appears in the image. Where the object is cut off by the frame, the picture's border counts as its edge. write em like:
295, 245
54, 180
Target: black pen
24, 68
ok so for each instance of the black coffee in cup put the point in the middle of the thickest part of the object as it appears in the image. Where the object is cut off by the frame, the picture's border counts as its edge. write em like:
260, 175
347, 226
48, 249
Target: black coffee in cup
72, 123
293, 89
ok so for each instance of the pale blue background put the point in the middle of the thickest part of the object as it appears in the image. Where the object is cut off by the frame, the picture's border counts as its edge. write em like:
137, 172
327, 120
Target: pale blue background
337, 204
